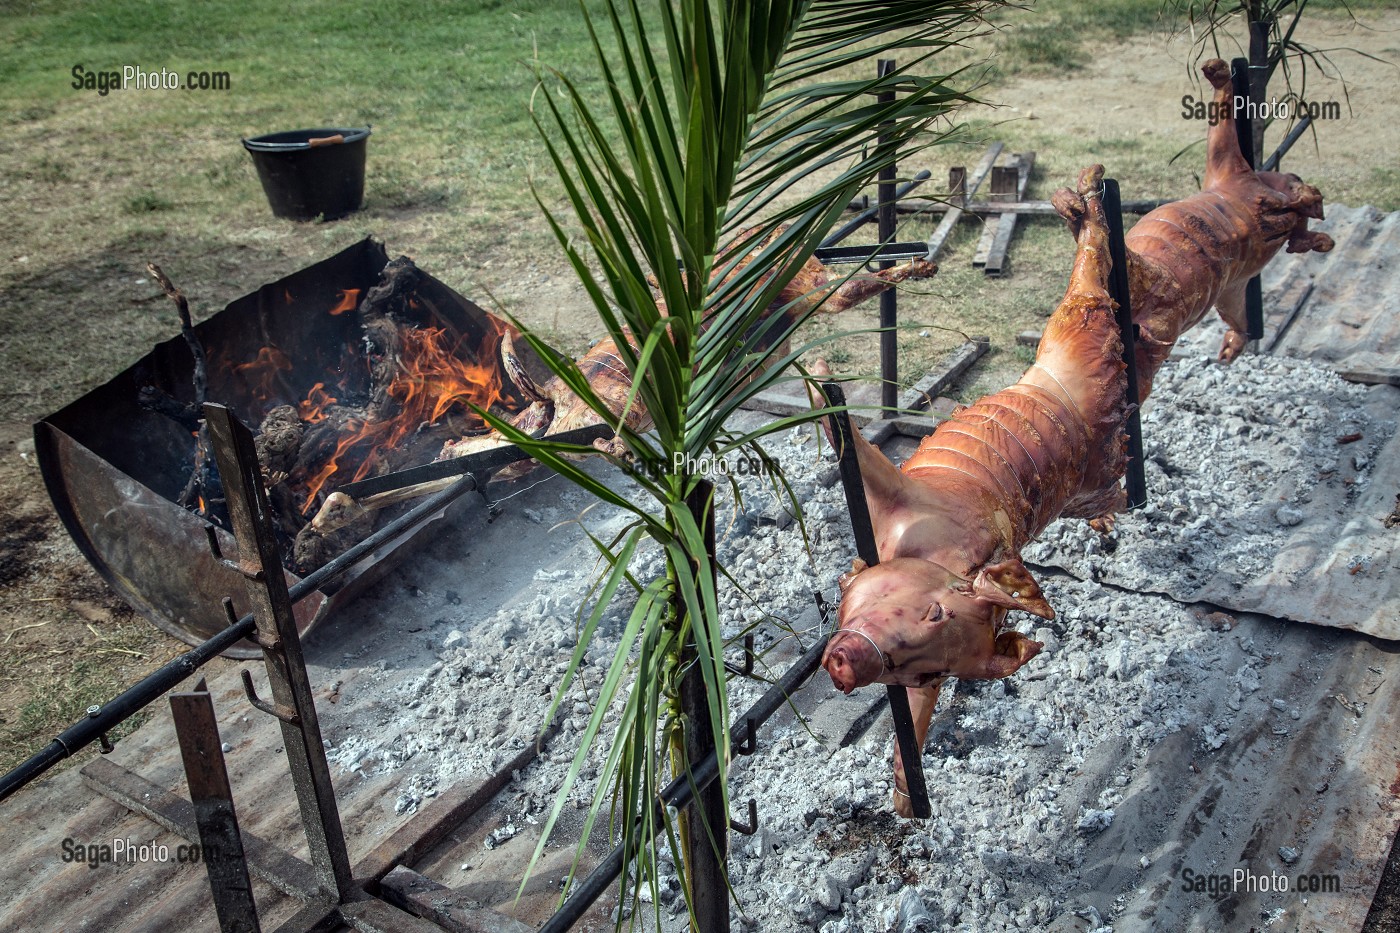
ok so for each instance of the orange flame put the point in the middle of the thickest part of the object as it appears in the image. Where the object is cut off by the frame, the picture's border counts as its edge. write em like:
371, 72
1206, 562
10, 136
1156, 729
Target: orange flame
312, 409
348, 300
260, 373
433, 380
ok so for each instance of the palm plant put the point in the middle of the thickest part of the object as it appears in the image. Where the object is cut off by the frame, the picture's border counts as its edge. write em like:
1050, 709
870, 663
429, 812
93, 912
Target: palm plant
726, 128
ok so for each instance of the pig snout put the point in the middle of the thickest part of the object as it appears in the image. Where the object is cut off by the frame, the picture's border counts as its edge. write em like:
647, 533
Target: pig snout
852, 661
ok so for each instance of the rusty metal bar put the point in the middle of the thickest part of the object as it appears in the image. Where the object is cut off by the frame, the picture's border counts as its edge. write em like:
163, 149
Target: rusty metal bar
1118, 288
910, 752
261, 563
155, 684
221, 844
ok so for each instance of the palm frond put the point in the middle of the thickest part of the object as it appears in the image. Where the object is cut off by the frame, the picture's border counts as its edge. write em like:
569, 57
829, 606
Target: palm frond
728, 139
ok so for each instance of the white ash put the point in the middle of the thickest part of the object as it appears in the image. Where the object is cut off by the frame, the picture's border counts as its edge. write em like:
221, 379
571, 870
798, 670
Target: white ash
1232, 458
1023, 773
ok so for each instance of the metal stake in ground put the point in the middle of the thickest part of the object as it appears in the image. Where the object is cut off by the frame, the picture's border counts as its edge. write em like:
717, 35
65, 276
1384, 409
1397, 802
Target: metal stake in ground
909, 751
292, 703
220, 842
1120, 292
707, 821
889, 314
1244, 132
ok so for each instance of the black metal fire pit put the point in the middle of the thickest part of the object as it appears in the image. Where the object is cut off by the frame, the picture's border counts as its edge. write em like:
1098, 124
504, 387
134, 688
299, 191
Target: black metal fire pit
115, 470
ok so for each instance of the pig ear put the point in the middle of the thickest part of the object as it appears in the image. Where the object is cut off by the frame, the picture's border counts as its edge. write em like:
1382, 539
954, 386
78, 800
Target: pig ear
1010, 584
857, 566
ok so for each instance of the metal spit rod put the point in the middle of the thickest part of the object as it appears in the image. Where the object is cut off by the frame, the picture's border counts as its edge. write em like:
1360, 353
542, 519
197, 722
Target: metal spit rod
911, 753
1118, 288
105, 718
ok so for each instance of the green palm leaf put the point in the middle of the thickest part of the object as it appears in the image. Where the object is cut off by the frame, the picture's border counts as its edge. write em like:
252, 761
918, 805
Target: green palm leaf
729, 137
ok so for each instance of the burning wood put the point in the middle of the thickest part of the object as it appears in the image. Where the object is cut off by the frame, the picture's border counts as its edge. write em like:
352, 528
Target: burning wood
950, 524
554, 408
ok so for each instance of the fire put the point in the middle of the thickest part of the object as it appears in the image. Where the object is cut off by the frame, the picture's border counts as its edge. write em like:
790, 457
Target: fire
261, 373
349, 299
435, 377
312, 409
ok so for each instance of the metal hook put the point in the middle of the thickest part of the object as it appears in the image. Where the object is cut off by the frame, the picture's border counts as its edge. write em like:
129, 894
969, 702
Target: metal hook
750, 743
746, 829
822, 609
746, 669
212, 536
268, 644
272, 709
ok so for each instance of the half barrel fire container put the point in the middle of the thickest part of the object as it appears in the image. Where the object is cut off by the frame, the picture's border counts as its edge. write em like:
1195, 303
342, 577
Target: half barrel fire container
115, 470
308, 174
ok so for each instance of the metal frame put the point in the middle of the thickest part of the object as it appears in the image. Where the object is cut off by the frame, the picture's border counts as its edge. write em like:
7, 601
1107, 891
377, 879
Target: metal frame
910, 752
1119, 290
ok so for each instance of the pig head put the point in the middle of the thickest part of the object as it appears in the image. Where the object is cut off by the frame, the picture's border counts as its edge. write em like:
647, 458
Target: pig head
911, 622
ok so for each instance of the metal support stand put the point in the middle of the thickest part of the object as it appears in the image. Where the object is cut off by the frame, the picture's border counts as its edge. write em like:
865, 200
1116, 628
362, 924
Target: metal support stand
910, 753
1244, 91
889, 314
292, 702
221, 844
707, 822
1119, 290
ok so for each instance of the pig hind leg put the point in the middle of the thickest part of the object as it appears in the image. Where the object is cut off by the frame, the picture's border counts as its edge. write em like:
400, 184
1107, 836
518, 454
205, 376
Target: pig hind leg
1231, 308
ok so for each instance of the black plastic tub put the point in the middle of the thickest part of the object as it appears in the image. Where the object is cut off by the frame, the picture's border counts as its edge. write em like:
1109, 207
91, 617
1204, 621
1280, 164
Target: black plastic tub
308, 174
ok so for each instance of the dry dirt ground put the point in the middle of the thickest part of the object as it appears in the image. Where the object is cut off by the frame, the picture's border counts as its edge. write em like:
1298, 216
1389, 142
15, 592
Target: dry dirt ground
84, 313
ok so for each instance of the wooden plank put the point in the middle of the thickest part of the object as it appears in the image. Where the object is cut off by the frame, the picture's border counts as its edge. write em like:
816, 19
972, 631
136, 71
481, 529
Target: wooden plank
1006, 224
449, 909
955, 211
375, 916
442, 816
1005, 187
285, 872
950, 369
922, 204
999, 192
316, 917
1028, 338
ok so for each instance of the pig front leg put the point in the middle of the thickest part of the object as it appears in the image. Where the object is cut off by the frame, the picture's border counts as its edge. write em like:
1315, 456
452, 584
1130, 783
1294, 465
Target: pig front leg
922, 701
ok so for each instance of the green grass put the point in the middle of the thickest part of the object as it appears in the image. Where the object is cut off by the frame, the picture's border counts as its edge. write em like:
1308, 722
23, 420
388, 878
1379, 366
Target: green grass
99, 185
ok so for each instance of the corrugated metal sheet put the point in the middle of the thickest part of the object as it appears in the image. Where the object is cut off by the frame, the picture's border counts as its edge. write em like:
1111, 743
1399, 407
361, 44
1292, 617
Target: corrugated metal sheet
1340, 308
